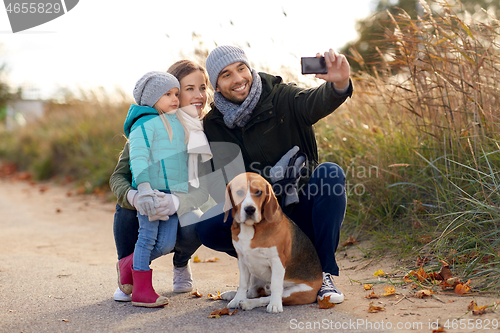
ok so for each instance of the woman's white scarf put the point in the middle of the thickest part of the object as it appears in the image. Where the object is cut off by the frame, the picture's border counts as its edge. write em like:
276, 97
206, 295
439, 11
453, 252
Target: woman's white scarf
197, 142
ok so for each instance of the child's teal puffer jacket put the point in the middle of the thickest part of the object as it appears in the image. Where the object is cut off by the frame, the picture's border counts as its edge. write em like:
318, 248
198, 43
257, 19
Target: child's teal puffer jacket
153, 158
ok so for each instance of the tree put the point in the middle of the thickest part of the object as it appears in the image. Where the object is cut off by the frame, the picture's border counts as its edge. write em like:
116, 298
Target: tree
366, 51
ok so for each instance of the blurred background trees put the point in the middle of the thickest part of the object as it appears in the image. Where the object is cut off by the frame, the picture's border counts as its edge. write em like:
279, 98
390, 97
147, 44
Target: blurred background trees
368, 49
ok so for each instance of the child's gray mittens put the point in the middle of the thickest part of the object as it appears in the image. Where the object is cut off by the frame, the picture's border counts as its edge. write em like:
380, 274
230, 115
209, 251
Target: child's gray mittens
146, 200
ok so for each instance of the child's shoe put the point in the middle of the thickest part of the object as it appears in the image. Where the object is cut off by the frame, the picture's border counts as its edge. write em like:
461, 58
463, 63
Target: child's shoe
124, 270
143, 293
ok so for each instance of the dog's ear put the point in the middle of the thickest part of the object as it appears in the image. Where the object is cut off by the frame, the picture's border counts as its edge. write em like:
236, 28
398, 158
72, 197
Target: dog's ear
271, 211
228, 204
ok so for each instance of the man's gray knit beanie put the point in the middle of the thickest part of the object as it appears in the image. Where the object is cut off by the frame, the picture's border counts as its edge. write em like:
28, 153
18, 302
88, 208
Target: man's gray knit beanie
152, 86
222, 56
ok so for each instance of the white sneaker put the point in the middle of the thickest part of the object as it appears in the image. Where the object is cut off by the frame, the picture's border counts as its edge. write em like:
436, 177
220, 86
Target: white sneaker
328, 289
120, 296
183, 280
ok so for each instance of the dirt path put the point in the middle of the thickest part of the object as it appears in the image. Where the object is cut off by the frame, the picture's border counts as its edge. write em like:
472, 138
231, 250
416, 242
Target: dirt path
57, 274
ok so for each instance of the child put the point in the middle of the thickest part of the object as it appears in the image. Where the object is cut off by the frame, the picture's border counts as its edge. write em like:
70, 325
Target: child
158, 160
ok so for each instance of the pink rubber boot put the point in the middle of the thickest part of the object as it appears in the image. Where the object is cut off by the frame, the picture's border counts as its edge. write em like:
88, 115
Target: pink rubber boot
143, 293
124, 270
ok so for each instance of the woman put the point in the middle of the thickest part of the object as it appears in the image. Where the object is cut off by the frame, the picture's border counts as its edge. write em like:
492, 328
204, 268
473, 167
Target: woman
195, 91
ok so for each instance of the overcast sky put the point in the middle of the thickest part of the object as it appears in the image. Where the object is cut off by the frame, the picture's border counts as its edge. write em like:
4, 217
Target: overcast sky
112, 43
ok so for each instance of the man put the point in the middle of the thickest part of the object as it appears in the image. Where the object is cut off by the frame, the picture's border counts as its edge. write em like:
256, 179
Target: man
268, 120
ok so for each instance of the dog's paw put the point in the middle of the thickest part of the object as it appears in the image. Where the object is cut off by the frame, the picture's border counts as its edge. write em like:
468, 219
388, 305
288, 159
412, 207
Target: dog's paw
275, 307
228, 295
235, 303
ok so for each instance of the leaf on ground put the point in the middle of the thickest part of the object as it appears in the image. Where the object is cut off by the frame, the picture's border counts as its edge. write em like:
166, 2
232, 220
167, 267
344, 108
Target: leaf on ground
374, 309
221, 312
211, 260
462, 288
476, 310
438, 330
372, 295
450, 283
325, 303
197, 294
422, 274
423, 293
196, 259
214, 297
445, 271
408, 276
368, 286
350, 241
389, 290
379, 273
425, 239
421, 261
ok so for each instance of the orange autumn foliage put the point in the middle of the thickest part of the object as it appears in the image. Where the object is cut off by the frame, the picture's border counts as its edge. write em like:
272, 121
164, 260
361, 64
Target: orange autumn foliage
325, 303
374, 309
476, 310
389, 290
222, 312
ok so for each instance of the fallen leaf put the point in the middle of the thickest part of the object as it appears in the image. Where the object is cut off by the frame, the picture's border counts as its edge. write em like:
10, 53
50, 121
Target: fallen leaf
198, 260
373, 295
197, 294
445, 271
222, 312
379, 273
214, 297
423, 293
374, 309
350, 241
425, 239
476, 310
211, 260
462, 288
421, 261
408, 276
368, 286
43, 189
450, 283
389, 290
438, 330
325, 303
421, 274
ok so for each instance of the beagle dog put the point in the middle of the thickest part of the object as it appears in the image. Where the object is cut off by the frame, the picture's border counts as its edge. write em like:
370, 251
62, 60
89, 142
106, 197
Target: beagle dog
276, 259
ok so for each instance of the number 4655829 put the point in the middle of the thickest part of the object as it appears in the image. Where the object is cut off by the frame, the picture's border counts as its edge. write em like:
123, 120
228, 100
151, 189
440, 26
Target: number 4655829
25, 8
485, 324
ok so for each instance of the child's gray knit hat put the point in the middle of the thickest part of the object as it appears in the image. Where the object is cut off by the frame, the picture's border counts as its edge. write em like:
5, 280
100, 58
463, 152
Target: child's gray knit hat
152, 85
222, 56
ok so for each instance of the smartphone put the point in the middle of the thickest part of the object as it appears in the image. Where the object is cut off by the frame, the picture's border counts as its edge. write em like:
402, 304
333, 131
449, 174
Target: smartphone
313, 65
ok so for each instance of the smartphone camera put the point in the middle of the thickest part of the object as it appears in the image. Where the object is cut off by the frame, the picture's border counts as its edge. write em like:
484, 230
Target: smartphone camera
313, 65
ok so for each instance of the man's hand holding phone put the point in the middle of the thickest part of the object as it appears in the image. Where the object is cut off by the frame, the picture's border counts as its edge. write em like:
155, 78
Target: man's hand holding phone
337, 68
